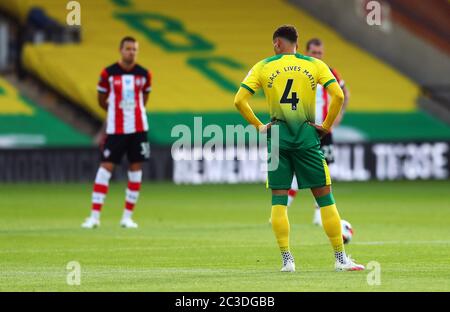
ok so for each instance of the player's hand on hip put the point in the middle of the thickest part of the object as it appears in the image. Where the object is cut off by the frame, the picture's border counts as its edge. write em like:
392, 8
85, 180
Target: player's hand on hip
320, 130
265, 128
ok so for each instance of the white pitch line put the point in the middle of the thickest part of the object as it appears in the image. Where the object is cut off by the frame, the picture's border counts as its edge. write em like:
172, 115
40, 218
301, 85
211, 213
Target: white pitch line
432, 242
262, 245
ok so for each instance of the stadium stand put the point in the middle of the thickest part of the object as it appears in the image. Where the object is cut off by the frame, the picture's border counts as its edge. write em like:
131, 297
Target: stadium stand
18, 9
24, 124
198, 61
428, 19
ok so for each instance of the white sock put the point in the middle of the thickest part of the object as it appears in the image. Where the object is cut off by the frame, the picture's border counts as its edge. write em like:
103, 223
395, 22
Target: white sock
291, 195
317, 218
99, 193
95, 214
127, 214
317, 213
340, 256
290, 200
132, 192
287, 256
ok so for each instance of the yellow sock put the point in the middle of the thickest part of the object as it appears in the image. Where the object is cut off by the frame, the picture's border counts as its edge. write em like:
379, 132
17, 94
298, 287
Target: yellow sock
331, 222
280, 226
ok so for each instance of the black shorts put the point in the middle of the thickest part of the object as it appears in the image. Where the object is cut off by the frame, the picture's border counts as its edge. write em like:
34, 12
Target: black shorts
135, 145
326, 145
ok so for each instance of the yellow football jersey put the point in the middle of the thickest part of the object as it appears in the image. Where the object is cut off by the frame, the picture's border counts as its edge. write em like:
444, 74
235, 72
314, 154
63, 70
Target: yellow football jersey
289, 82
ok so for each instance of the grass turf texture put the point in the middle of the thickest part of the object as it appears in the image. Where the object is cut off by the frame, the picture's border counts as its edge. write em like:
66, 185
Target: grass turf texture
217, 238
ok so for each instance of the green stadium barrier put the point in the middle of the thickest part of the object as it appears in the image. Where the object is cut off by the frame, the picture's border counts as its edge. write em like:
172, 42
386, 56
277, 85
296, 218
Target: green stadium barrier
393, 127
37, 129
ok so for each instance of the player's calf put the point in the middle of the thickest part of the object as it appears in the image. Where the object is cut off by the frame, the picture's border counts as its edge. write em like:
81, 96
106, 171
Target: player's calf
131, 197
331, 222
281, 228
99, 192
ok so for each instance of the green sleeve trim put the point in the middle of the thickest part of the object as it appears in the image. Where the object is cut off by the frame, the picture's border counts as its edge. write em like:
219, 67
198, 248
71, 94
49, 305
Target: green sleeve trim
279, 200
326, 200
328, 82
248, 88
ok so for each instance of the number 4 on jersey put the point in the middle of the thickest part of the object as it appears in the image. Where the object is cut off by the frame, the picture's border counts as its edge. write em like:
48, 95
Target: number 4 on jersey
293, 100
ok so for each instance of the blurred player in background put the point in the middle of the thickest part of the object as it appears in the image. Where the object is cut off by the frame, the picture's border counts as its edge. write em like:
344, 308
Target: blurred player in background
315, 48
123, 91
289, 81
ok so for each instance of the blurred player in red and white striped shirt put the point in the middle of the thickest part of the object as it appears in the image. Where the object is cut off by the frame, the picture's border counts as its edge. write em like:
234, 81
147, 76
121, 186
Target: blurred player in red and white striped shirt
315, 48
123, 91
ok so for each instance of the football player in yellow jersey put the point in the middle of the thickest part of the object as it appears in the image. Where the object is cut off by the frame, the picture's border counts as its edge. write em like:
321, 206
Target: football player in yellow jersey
289, 81
316, 48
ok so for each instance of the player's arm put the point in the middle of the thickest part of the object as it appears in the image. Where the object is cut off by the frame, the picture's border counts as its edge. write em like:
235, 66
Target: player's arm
241, 102
248, 87
328, 81
103, 90
337, 101
344, 106
346, 96
147, 87
102, 99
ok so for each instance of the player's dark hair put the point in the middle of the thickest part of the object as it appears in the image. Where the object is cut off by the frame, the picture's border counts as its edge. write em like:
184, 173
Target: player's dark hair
126, 39
287, 32
313, 41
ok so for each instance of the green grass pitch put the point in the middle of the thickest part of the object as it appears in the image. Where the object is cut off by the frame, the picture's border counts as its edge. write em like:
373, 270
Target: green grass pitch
217, 238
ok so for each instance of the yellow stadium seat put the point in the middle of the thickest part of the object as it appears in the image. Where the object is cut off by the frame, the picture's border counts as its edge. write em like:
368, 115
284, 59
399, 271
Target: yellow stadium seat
10, 101
198, 64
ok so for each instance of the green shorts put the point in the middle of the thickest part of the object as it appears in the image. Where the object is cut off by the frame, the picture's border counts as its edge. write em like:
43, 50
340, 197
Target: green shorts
308, 164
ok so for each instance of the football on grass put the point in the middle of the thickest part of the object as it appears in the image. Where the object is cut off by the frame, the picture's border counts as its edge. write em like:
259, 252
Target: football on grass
347, 231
